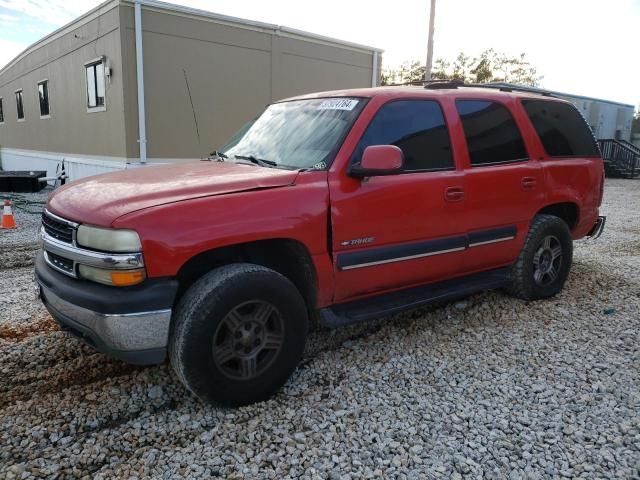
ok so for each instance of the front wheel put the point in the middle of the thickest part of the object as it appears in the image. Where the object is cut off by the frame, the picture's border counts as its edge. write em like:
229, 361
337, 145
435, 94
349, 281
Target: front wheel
238, 334
544, 262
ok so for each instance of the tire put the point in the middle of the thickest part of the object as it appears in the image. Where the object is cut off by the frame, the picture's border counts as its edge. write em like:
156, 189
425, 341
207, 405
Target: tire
543, 265
222, 321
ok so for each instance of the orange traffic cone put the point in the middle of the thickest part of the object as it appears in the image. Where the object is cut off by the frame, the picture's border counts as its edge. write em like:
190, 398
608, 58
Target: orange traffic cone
7, 216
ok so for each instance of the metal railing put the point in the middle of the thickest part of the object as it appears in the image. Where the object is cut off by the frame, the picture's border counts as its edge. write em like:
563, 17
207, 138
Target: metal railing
631, 146
620, 159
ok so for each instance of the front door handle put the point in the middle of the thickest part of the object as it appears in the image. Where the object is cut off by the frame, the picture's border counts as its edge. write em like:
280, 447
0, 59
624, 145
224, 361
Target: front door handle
528, 183
454, 194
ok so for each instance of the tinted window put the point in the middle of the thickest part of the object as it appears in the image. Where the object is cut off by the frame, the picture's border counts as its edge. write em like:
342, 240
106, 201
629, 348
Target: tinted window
492, 134
561, 128
417, 127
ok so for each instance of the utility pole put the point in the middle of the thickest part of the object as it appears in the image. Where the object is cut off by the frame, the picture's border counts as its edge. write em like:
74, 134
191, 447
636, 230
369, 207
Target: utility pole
432, 17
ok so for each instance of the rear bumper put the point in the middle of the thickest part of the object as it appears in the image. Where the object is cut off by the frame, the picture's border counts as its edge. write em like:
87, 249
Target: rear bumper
598, 228
131, 324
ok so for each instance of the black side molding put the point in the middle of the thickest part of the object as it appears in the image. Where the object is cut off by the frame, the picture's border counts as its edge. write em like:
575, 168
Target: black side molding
399, 252
494, 235
412, 298
408, 251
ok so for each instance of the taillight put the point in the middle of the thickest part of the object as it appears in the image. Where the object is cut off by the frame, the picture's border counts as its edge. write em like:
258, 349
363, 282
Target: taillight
601, 187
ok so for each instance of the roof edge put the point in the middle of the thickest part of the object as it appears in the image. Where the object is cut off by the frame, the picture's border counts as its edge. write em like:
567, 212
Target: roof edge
75, 23
170, 7
109, 4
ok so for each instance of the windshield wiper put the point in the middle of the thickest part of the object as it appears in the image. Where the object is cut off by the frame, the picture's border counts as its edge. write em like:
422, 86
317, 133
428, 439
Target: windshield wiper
219, 156
258, 161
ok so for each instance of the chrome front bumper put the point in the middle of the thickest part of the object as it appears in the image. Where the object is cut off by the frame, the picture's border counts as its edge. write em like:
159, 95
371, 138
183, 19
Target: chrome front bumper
128, 323
139, 338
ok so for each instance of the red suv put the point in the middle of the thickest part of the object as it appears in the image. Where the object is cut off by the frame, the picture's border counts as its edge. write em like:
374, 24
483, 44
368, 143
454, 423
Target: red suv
333, 208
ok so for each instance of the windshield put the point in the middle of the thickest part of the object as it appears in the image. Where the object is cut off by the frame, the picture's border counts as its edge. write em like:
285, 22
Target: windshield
296, 134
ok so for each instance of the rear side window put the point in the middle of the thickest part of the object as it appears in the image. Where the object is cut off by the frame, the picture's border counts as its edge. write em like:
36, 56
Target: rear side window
561, 128
418, 128
492, 135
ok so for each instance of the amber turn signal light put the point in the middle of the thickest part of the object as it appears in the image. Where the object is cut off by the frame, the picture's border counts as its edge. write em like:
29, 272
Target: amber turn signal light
126, 278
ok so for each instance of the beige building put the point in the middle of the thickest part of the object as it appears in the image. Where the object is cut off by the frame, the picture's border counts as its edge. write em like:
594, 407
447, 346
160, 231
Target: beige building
73, 95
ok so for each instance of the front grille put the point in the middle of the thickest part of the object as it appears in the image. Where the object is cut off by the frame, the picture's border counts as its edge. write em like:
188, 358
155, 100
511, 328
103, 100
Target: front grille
62, 263
56, 229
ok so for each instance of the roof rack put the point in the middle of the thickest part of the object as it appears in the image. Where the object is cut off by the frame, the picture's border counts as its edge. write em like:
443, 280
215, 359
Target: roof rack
405, 84
443, 84
511, 88
456, 83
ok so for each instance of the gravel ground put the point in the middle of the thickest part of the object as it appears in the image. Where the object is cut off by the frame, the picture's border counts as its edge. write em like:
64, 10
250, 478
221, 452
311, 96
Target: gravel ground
487, 387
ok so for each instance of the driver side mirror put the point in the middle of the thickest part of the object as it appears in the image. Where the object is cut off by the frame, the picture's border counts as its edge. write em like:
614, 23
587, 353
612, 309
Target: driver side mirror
378, 160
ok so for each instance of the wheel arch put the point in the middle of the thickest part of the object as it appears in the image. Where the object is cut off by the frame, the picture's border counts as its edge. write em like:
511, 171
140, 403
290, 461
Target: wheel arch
288, 257
567, 211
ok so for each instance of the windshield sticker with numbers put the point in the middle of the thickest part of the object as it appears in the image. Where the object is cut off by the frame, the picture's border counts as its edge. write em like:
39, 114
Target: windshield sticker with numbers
338, 104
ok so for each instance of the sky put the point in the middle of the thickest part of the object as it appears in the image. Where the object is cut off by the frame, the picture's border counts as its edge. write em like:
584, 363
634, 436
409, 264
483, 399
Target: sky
584, 47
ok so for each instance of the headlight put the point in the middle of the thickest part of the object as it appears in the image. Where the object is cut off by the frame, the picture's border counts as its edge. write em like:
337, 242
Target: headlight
118, 278
108, 240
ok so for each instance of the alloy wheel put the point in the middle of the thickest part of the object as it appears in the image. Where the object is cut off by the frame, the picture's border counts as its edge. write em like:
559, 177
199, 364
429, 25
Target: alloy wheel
248, 340
547, 261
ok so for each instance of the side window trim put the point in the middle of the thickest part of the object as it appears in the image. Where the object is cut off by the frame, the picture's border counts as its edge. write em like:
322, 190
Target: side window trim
499, 102
19, 94
453, 167
44, 99
92, 65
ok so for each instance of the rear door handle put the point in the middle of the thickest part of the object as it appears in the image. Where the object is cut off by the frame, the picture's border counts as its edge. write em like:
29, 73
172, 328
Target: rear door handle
454, 194
528, 183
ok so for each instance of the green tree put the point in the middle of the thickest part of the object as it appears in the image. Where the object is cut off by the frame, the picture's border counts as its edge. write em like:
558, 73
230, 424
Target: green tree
489, 66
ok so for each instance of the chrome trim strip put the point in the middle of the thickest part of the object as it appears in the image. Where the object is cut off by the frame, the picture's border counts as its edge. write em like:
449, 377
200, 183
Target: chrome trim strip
113, 261
137, 314
60, 219
400, 259
495, 240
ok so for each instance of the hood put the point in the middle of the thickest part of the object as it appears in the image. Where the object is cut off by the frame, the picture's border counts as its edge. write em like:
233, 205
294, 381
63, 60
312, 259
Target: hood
101, 199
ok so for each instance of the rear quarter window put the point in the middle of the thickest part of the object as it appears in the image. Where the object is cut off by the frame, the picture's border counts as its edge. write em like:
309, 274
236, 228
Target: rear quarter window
561, 128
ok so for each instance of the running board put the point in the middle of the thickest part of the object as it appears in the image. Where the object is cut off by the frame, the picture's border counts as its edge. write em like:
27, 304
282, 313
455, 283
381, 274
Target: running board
412, 298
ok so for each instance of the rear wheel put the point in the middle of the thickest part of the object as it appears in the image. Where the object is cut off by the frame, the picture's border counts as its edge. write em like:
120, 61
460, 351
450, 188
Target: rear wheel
238, 334
544, 262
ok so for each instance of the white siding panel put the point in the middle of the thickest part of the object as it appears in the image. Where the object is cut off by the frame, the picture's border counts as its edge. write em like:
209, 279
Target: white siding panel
76, 166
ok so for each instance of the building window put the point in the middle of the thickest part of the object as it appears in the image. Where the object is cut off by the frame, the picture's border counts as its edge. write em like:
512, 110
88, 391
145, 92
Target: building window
1, 111
20, 104
95, 85
492, 135
418, 128
43, 96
